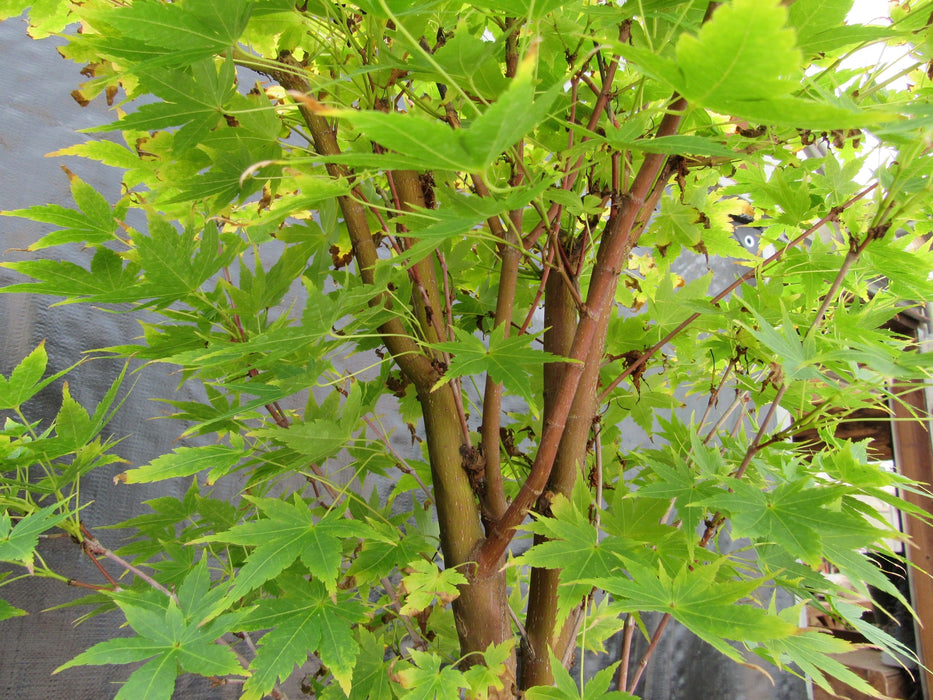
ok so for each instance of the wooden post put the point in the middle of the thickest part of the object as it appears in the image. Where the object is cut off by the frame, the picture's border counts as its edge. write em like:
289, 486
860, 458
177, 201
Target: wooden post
913, 456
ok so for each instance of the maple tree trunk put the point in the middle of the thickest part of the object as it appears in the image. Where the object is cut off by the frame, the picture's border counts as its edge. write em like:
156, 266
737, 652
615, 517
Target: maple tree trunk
481, 611
541, 623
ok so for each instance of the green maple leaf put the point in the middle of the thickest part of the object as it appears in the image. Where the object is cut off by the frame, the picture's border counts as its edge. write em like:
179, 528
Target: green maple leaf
794, 515
18, 544
694, 597
638, 519
322, 437
154, 32
683, 484
170, 270
386, 549
489, 674
745, 62
174, 636
471, 61
427, 144
25, 380
92, 223
426, 582
7, 611
565, 687
509, 361
669, 306
676, 222
176, 263
185, 461
575, 548
45, 16
107, 281
745, 52
816, 655
371, 673
426, 680
289, 532
307, 619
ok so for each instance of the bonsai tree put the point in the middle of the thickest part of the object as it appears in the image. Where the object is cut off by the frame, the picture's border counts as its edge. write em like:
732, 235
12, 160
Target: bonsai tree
343, 218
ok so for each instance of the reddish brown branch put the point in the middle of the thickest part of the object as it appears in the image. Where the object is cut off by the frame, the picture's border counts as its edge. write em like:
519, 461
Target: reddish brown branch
628, 634
643, 662
617, 242
94, 549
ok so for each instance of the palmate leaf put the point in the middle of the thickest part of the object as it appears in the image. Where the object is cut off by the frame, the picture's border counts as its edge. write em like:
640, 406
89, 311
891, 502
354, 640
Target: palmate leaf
425, 582
507, 360
92, 223
745, 52
425, 144
794, 515
574, 547
745, 62
169, 33
18, 544
307, 619
815, 653
289, 532
689, 489
107, 280
174, 263
812, 17
45, 16
185, 461
193, 99
821, 27
173, 635
322, 437
707, 607
489, 674
461, 215
371, 673
470, 61
426, 680
386, 549
25, 380
797, 354
73, 425
565, 687
7, 611
177, 262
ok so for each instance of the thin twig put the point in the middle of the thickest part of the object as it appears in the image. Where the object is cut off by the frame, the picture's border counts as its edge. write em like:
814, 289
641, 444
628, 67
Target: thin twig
400, 461
244, 662
561, 265
714, 396
274, 409
598, 454
416, 636
628, 634
93, 546
91, 586
575, 622
545, 271
103, 571
643, 662
736, 402
522, 632
755, 447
